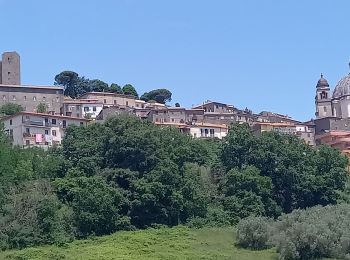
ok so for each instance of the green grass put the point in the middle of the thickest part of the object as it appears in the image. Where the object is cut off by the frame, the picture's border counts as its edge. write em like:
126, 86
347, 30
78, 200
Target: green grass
165, 243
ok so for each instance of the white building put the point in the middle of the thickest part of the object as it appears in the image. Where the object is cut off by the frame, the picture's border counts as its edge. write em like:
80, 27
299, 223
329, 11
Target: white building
35, 129
85, 108
200, 130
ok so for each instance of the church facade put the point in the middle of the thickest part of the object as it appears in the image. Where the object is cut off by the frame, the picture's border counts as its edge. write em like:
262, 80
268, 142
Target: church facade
335, 104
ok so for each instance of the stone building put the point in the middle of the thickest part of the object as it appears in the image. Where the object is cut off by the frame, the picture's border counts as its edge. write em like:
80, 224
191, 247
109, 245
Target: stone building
10, 69
29, 97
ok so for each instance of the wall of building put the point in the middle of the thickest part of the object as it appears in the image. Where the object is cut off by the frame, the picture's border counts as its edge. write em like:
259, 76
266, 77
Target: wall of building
30, 97
110, 99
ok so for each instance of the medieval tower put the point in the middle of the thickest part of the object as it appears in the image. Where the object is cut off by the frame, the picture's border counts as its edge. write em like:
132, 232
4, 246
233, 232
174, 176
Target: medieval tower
10, 69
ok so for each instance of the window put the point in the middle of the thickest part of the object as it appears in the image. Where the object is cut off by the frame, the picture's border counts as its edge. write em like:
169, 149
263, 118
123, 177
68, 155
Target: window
86, 109
46, 131
94, 109
324, 109
53, 121
10, 121
64, 123
78, 115
127, 103
105, 101
25, 98
212, 132
27, 143
34, 98
8, 73
54, 132
115, 102
27, 130
13, 97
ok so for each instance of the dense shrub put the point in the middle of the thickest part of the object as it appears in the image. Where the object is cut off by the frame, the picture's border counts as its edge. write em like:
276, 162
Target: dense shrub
314, 233
253, 232
33, 215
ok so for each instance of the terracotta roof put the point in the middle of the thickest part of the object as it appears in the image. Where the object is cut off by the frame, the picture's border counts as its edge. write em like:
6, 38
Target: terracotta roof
45, 115
30, 86
190, 126
275, 124
81, 101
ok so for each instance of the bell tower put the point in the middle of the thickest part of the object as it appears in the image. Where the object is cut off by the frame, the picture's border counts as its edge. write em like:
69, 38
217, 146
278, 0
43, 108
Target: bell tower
322, 99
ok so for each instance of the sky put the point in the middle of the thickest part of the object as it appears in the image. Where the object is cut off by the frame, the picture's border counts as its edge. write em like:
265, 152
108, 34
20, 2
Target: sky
264, 55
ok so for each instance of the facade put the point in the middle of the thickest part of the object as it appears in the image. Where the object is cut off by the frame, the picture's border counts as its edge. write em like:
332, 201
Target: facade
336, 104
10, 69
113, 99
29, 97
302, 131
201, 130
84, 108
35, 129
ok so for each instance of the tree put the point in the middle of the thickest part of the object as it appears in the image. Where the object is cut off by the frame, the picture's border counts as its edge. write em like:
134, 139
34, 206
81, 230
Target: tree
115, 88
301, 176
128, 89
248, 193
98, 85
177, 104
10, 109
69, 80
95, 204
159, 95
41, 108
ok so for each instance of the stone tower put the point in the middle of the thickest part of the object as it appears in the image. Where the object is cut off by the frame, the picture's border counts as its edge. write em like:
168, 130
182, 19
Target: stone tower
322, 99
10, 69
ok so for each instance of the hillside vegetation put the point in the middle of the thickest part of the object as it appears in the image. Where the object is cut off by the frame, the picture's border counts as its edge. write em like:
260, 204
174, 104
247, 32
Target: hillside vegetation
164, 243
129, 174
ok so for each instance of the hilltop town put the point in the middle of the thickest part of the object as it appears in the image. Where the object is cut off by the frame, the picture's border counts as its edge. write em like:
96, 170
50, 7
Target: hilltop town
210, 119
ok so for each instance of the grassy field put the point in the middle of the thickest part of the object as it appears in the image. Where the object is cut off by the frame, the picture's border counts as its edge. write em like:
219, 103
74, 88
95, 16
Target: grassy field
166, 243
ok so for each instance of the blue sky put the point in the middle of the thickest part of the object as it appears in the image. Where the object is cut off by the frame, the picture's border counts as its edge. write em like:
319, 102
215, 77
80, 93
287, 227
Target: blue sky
264, 55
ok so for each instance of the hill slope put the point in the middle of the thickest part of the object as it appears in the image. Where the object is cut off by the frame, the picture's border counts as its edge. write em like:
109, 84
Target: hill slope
165, 243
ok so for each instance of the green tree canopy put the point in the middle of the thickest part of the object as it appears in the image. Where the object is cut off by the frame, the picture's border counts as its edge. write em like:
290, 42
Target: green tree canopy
128, 89
70, 81
301, 176
158, 95
10, 109
115, 88
41, 108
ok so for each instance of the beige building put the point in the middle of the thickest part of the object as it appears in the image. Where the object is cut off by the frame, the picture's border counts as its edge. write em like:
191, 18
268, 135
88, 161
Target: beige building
303, 131
113, 99
34, 129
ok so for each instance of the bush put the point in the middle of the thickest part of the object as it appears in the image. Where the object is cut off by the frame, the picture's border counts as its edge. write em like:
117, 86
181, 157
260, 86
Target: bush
314, 233
253, 232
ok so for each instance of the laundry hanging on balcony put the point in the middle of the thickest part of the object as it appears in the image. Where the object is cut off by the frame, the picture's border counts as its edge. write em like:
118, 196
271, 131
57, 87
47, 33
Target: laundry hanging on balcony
38, 138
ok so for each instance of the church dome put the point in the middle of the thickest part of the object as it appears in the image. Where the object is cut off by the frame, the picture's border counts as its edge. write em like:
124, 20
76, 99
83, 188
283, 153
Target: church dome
322, 82
342, 88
